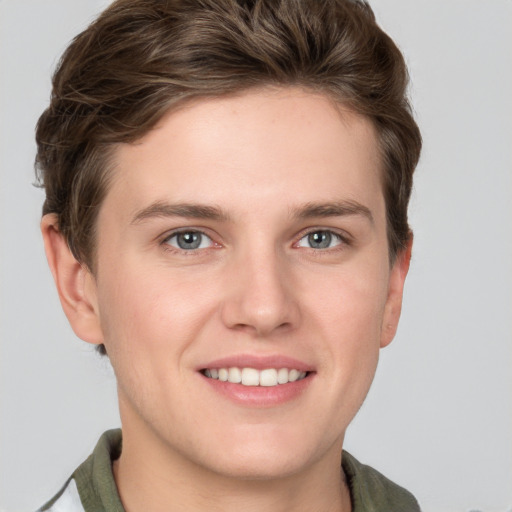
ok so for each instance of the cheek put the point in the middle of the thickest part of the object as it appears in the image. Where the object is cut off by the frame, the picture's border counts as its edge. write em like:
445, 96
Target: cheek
353, 303
148, 325
350, 319
148, 309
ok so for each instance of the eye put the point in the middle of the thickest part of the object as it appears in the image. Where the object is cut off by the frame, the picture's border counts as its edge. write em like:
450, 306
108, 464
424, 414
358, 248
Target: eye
321, 239
189, 240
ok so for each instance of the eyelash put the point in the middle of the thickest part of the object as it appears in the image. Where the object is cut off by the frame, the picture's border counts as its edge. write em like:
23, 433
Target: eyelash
343, 240
168, 247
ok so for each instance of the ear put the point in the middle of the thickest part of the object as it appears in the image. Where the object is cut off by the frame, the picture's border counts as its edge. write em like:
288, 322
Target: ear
75, 283
393, 306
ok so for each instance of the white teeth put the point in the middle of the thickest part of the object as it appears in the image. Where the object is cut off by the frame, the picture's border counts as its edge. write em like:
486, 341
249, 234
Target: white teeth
282, 376
268, 377
293, 375
252, 377
234, 375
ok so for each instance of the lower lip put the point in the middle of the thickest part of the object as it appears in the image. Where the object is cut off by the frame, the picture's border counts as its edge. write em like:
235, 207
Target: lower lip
260, 396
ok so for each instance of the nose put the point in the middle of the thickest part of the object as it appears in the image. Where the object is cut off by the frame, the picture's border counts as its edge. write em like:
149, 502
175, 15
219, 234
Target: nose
259, 297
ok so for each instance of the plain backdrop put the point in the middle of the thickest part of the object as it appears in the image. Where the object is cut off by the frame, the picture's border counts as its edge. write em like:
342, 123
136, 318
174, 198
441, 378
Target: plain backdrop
438, 419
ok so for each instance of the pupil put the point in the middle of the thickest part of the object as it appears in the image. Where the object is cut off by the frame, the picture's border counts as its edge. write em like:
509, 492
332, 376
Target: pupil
320, 239
189, 240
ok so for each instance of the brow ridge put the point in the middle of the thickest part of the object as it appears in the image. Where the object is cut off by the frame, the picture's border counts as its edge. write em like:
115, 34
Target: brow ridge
187, 210
211, 212
332, 209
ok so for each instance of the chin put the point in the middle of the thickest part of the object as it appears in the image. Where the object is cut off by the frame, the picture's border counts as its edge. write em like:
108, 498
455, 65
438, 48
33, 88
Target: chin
260, 467
270, 458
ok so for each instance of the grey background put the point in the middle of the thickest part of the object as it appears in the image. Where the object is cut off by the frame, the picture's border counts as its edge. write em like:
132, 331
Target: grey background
438, 419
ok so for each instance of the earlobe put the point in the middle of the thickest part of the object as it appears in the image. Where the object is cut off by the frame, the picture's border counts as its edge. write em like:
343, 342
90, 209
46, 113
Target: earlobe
393, 306
75, 283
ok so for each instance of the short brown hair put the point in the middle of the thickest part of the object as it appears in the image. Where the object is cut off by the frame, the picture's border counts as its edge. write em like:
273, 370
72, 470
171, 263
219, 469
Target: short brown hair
140, 57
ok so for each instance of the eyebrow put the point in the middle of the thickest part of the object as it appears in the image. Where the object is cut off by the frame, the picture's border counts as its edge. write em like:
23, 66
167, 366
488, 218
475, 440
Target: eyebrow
332, 209
198, 211
187, 210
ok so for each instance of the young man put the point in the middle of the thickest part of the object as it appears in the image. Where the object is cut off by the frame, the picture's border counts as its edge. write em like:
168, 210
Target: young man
226, 218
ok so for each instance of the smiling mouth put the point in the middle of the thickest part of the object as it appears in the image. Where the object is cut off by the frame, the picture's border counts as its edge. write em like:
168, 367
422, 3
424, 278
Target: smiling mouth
252, 377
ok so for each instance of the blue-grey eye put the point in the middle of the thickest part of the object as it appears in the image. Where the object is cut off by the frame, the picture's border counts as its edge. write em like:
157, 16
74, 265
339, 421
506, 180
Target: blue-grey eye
189, 240
320, 240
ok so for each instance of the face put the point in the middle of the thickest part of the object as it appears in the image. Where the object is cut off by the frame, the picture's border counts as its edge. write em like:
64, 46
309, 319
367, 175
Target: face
244, 238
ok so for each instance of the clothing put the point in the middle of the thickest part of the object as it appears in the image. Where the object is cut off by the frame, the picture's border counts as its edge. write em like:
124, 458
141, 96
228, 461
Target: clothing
91, 488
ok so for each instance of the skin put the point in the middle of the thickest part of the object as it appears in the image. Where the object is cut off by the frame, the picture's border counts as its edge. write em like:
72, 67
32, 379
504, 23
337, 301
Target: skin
255, 286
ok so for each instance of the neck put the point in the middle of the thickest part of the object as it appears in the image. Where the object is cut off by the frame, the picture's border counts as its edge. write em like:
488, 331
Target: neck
150, 476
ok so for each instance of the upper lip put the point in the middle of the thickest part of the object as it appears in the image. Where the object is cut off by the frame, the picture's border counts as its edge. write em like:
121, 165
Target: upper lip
258, 362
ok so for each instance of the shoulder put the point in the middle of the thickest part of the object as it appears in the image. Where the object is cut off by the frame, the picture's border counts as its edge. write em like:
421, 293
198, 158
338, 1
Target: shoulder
91, 488
66, 500
371, 491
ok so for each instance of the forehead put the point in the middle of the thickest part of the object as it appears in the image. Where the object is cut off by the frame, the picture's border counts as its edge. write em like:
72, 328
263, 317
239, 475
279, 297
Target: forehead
274, 145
